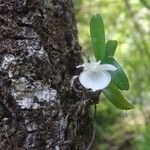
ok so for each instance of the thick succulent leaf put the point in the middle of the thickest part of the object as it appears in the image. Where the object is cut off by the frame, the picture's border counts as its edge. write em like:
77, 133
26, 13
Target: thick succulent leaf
110, 48
97, 36
116, 98
119, 77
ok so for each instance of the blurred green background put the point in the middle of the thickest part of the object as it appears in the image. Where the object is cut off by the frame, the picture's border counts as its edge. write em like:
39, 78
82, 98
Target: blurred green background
128, 22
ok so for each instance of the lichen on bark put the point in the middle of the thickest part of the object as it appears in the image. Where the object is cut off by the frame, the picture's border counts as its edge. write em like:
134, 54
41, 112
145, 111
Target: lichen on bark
38, 56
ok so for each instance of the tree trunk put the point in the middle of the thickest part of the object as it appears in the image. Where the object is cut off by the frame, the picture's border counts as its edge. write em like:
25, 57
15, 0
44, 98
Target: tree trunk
39, 52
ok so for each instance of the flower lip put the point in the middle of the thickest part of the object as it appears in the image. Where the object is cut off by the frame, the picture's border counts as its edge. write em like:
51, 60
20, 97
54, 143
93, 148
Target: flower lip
94, 80
95, 76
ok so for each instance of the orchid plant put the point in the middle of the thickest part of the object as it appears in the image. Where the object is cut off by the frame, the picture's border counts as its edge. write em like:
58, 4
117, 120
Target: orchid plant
105, 73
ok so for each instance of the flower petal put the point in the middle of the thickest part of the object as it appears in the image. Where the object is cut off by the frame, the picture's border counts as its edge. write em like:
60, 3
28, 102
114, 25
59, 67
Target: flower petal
85, 65
107, 67
72, 80
94, 80
95, 63
79, 66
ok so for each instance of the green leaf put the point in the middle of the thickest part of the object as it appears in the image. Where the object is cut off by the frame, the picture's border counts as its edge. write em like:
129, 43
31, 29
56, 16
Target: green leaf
116, 98
146, 3
119, 77
97, 36
110, 48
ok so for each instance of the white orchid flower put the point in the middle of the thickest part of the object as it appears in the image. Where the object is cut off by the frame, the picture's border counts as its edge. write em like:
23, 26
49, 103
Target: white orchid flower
95, 76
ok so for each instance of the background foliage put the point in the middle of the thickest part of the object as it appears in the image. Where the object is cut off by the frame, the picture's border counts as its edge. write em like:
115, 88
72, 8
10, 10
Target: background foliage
126, 21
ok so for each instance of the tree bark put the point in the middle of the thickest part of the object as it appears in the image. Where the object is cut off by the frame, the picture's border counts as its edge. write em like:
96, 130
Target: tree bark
39, 52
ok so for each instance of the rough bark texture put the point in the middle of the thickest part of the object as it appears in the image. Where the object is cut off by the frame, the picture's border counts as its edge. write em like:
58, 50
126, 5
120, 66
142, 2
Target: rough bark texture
39, 51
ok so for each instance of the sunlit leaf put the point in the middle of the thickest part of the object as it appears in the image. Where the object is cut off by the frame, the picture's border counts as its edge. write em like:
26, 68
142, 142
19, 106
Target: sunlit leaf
110, 48
119, 77
97, 36
116, 98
